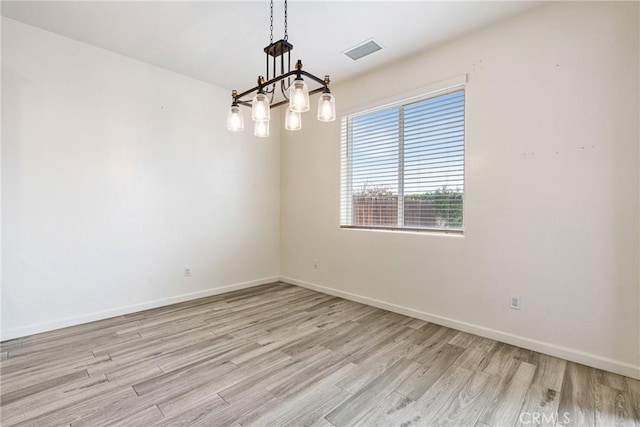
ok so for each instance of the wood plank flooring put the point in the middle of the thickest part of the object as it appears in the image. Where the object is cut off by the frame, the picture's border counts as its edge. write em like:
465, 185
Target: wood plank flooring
280, 355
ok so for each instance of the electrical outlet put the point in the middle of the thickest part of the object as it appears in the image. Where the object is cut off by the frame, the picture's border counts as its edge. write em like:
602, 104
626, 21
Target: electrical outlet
514, 302
316, 266
187, 272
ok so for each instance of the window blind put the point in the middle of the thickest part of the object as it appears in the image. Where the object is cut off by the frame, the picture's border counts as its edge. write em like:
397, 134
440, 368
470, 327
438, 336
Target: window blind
402, 166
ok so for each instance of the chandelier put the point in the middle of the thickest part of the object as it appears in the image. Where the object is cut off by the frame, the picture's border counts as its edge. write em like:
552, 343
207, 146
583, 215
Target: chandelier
289, 87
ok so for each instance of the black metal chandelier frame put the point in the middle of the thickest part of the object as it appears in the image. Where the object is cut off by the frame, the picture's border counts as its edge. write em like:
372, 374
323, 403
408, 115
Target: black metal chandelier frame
278, 50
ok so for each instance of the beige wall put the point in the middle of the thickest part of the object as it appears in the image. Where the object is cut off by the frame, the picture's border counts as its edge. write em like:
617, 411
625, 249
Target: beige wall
552, 189
115, 176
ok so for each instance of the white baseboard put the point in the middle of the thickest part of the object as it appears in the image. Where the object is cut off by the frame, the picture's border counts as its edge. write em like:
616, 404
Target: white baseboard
567, 353
91, 317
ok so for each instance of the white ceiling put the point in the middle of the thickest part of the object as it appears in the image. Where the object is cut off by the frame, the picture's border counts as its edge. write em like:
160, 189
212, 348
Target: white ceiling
221, 42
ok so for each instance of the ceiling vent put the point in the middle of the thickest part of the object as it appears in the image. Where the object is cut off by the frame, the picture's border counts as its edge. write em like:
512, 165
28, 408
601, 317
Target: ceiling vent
363, 49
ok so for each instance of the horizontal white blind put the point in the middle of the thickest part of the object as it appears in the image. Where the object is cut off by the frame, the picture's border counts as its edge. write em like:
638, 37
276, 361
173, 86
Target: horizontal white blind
403, 165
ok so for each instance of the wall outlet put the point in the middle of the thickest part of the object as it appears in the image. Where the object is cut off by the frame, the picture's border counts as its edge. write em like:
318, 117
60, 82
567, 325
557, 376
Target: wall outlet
187, 272
514, 302
316, 266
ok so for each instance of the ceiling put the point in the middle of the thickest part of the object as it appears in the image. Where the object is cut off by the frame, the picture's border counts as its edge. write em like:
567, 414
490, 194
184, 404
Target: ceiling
221, 42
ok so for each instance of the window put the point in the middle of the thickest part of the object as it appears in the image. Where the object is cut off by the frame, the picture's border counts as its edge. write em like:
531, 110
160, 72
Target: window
403, 165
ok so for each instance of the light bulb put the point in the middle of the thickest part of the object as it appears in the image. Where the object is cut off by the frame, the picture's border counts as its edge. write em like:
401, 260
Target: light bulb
292, 120
261, 129
299, 96
235, 121
326, 107
260, 108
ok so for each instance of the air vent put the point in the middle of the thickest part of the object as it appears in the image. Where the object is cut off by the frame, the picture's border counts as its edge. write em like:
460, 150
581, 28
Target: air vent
363, 49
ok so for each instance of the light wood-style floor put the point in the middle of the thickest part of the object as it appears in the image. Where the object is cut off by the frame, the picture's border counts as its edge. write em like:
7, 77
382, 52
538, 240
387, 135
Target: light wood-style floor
280, 355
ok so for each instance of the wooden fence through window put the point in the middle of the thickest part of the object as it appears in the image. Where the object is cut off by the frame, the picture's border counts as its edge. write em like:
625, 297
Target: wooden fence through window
383, 211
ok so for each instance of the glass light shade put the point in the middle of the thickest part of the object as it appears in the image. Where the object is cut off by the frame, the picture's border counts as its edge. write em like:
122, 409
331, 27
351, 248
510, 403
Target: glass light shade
326, 107
299, 96
260, 108
235, 120
292, 120
261, 129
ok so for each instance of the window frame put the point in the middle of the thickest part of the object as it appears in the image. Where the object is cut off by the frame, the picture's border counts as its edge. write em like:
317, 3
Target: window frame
346, 157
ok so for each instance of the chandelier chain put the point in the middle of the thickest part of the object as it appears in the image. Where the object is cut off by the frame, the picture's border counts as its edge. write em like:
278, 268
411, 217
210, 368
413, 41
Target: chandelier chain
271, 26
286, 35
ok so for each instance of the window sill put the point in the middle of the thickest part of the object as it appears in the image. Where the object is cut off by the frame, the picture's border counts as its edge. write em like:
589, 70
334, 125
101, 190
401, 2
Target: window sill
407, 230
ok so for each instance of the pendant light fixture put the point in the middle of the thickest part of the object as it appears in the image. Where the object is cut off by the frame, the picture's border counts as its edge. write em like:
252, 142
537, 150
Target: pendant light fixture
235, 121
299, 96
261, 129
292, 120
293, 91
326, 106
